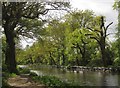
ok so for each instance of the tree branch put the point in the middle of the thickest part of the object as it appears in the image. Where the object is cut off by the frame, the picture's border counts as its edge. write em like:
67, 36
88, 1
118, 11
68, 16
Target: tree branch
109, 25
95, 39
110, 34
90, 29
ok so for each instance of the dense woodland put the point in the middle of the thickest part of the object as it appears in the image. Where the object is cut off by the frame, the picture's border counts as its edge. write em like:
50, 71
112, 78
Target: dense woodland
77, 38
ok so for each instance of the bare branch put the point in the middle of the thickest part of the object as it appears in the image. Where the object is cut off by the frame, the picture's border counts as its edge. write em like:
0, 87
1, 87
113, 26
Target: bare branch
107, 28
108, 25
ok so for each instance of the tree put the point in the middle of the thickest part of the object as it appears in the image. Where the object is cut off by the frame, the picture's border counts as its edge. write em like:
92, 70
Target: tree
56, 37
114, 49
13, 13
78, 43
99, 33
117, 7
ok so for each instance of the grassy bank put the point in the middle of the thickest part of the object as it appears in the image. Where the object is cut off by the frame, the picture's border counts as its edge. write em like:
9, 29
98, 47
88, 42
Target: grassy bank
52, 81
48, 81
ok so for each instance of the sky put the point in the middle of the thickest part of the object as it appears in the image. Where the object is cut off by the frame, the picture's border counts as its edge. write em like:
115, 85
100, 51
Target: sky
99, 7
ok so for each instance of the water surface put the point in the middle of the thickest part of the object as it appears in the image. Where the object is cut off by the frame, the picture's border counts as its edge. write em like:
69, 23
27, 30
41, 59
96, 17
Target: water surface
84, 78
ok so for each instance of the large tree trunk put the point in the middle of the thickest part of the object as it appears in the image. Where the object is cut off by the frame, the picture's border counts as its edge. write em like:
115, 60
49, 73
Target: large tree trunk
103, 56
10, 50
103, 52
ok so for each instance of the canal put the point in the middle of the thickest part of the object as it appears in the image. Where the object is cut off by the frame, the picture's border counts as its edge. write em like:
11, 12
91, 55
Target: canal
83, 78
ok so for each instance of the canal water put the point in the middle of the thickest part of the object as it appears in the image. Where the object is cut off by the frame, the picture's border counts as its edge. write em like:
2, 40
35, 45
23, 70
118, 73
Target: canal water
83, 78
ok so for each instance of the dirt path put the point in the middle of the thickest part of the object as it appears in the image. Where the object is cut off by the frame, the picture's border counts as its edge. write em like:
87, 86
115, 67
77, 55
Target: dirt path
23, 81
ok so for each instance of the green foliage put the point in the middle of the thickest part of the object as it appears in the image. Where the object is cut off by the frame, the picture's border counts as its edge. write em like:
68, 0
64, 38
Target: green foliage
13, 75
116, 6
53, 82
79, 46
24, 19
71, 41
115, 53
116, 62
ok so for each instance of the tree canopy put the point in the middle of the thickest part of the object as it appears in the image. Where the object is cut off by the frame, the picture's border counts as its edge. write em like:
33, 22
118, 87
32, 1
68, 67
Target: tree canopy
23, 18
79, 38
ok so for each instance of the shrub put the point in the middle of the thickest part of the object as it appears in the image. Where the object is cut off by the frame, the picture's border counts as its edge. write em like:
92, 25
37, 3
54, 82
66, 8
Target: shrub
53, 82
12, 75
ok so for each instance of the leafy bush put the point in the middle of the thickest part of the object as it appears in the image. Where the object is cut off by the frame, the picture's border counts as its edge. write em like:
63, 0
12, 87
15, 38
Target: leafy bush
12, 75
53, 82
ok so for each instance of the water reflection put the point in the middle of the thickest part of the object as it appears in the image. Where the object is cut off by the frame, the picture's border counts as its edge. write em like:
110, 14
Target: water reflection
84, 78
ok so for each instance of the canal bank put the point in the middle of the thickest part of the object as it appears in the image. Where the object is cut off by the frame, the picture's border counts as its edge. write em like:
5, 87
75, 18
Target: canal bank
82, 68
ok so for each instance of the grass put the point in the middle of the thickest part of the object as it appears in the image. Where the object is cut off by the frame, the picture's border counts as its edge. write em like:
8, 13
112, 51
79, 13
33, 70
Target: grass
12, 75
48, 81
53, 82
